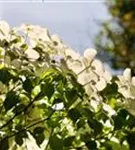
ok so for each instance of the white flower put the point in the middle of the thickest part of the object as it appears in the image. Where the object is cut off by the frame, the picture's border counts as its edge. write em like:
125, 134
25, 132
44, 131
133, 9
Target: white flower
35, 33
97, 66
4, 29
127, 74
126, 84
89, 55
57, 41
130, 106
32, 54
75, 65
71, 53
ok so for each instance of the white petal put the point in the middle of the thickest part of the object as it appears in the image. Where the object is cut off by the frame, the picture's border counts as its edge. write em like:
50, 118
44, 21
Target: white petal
98, 67
4, 28
36, 32
101, 84
83, 78
88, 89
55, 38
72, 53
90, 54
109, 109
125, 91
76, 66
107, 76
133, 81
121, 81
32, 54
31, 143
127, 74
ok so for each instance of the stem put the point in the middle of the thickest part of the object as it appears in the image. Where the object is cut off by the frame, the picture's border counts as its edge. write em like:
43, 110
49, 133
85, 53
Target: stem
49, 139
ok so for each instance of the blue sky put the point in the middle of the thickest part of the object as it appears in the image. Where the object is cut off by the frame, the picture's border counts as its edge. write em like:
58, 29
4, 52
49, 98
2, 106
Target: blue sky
76, 23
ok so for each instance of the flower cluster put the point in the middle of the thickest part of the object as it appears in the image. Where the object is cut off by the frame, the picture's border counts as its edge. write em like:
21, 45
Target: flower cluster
126, 86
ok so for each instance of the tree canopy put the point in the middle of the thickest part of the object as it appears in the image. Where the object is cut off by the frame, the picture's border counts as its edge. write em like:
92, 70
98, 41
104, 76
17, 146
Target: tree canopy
53, 98
117, 36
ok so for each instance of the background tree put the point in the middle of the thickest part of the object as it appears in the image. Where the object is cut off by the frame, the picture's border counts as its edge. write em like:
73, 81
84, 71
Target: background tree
117, 37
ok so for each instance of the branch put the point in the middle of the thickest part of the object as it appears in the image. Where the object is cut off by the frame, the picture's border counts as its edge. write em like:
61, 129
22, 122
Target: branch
27, 127
24, 110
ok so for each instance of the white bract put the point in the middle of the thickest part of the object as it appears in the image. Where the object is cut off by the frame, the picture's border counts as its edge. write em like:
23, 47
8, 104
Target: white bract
32, 54
89, 55
126, 84
4, 30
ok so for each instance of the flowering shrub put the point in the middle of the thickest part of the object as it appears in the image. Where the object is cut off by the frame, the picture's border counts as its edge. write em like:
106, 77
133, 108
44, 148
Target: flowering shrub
51, 97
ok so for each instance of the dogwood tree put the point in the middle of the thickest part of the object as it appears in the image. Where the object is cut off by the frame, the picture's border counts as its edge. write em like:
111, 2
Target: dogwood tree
53, 98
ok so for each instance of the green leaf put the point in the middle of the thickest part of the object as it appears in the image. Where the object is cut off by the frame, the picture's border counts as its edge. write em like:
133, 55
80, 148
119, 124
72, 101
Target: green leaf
38, 134
4, 145
118, 146
47, 89
74, 114
96, 126
11, 100
16, 40
119, 122
120, 119
19, 137
24, 46
68, 141
56, 143
111, 90
91, 145
131, 140
57, 101
71, 97
5, 76
4, 43
27, 85
13, 54
19, 108
18, 140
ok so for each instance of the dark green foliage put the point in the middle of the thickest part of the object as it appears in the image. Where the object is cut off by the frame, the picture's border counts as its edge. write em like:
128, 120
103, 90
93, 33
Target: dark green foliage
11, 100
38, 134
5, 76
4, 145
56, 143
68, 141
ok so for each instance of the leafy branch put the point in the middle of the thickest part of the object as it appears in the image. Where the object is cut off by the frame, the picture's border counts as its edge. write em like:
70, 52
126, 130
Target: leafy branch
18, 113
27, 127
